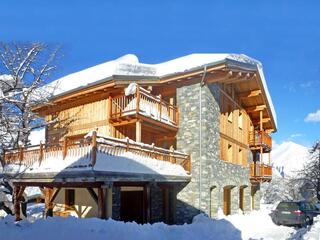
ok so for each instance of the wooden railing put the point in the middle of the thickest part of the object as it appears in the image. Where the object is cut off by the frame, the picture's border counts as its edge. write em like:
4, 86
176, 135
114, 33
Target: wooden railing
89, 148
262, 171
260, 138
146, 104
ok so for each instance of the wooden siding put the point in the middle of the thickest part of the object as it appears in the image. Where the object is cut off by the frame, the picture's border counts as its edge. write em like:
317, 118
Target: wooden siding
79, 120
235, 124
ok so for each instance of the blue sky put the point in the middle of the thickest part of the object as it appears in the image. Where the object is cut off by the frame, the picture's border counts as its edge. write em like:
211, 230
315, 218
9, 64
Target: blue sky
283, 35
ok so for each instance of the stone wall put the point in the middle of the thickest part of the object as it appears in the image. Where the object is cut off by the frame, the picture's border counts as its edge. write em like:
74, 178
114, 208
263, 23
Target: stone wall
213, 175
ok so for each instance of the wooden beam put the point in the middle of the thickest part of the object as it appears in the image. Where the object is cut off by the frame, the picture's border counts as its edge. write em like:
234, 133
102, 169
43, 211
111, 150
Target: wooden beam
54, 194
138, 131
146, 203
48, 203
249, 94
256, 121
123, 122
93, 195
255, 108
102, 203
94, 148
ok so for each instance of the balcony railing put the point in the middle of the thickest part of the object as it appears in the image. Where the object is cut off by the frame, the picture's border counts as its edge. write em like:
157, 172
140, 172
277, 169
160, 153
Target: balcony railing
260, 139
89, 148
260, 172
144, 104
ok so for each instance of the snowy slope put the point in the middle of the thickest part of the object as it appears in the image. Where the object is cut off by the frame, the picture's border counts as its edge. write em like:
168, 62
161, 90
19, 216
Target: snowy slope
288, 158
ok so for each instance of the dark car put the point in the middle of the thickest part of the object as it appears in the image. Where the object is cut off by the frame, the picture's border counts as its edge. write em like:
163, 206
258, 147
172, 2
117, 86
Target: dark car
295, 213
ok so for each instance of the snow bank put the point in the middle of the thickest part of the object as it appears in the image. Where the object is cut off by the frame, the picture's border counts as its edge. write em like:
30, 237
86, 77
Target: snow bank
93, 228
256, 225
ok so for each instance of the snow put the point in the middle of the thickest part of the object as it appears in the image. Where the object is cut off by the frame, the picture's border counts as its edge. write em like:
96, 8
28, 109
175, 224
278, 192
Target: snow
129, 65
37, 136
109, 159
288, 158
131, 89
255, 225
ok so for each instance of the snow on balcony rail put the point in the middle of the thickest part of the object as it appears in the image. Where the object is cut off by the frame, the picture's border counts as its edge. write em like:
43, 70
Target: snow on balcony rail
144, 103
87, 150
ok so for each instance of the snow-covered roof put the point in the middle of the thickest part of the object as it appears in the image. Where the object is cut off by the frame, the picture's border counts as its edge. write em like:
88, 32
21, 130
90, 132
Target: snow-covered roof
129, 65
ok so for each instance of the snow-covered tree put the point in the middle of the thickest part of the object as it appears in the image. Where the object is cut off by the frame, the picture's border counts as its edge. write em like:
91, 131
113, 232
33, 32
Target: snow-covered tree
310, 175
24, 68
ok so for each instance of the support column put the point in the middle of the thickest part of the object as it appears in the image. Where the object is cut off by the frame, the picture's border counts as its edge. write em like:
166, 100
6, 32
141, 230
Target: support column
48, 202
108, 202
102, 203
173, 205
146, 203
166, 207
138, 131
16, 199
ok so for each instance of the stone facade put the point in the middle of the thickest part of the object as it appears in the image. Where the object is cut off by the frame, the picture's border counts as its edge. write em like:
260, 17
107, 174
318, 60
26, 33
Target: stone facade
205, 191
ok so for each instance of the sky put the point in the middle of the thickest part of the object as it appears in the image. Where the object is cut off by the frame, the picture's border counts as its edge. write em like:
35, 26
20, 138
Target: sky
283, 35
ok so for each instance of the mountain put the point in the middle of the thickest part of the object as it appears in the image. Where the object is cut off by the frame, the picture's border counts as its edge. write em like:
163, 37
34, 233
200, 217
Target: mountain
288, 157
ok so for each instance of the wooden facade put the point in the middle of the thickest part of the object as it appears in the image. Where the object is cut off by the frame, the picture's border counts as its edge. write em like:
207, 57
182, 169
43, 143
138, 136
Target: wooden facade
151, 116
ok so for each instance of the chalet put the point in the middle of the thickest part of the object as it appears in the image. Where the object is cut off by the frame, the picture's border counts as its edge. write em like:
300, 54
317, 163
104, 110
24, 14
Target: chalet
152, 142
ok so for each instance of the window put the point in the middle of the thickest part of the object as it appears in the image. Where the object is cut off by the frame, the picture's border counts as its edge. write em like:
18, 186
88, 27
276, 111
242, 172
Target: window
229, 153
240, 156
230, 111
69, 197
240, 120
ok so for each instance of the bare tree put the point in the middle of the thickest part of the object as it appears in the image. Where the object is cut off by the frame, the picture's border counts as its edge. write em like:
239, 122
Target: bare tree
24, 68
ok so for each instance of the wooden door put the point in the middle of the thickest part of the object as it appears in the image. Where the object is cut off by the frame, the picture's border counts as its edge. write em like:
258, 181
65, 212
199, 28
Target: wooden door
131, 208
227, 201
241, 198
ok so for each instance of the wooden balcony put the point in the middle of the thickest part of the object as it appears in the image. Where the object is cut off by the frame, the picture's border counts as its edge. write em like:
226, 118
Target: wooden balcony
143, 105
30, 155
260, 173
259, 139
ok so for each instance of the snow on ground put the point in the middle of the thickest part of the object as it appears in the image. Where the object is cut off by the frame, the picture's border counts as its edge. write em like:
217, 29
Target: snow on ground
255, 225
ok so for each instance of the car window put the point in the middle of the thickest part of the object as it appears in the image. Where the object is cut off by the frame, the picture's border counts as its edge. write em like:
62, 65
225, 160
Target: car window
289, 206
308, 206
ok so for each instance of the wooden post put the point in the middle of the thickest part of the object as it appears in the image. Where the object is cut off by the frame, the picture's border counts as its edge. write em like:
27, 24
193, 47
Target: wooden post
127, 145
109, 107
102, 203
160, 108
172, 205
94, 148
21, 153
48, 202
41, 152
166, 209
138, 131
261, 123
138, 99
146, 203
16, 199
65, 148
